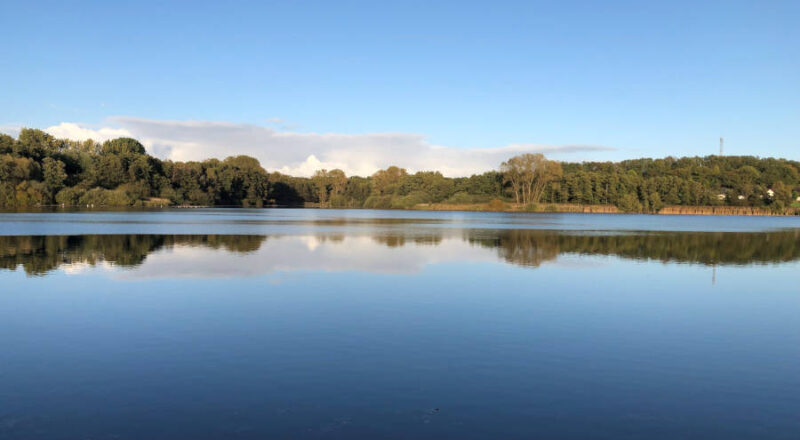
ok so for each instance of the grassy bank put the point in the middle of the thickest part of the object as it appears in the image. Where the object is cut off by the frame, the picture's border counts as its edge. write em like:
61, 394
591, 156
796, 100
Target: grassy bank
498, 206
727, 210
501, 206
493, 206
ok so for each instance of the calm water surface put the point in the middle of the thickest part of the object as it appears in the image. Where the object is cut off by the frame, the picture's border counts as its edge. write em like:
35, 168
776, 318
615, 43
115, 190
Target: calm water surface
318, 324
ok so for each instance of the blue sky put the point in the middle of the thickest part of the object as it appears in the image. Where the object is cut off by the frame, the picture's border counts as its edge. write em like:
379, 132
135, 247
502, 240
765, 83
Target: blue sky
635, 78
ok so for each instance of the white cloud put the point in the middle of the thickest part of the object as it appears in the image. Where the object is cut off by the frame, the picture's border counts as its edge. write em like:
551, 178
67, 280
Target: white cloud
302, 253
70, 130
301, 154
11, 129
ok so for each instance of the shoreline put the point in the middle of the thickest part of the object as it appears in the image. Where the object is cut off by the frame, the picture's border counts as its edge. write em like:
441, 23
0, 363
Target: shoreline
740, 211
494, 206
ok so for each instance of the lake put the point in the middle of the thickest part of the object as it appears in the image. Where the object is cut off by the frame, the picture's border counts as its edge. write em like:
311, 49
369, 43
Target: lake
327, 324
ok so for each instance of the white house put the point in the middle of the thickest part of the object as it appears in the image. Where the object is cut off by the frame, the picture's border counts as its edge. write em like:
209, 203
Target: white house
721, 196
770, 193
740, 197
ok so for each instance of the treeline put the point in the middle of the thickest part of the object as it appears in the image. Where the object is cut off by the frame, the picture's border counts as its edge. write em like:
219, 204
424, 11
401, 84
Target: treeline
650, 184
37, 169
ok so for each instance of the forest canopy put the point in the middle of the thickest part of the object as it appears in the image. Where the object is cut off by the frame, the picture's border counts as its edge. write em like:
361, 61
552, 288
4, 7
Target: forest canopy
36, 169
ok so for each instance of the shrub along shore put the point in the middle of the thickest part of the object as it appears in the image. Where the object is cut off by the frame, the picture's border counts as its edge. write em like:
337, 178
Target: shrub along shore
501, 206
38, 170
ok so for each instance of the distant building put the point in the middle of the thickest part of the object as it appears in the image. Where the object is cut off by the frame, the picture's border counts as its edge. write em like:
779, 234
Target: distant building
770, 193
741, 197
721, 196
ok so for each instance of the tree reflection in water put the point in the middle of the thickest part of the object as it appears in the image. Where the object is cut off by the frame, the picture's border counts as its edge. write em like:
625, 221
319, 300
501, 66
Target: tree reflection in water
532, 247
525, 247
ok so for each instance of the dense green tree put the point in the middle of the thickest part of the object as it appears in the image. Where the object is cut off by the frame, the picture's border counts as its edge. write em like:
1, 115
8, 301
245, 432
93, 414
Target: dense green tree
329, 184
529, 174
6, 144
110, 171
388, 181
35, 144
123, 147
54, 172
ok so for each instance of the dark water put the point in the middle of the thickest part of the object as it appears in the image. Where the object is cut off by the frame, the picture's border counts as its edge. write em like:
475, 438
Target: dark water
381, 324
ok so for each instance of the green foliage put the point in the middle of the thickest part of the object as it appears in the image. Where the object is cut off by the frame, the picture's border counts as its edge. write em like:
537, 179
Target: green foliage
435, 186
30, 193
481, 186
37, 169
647, 185
110, 171
539, 207
35, 144
654, 201
629, 203
410, 201
388, 181
104, 197
378, 202
70, 196
123, 147
55, 174
529, 175
6, 144
460, 198
357, 191
14, 169
777, 207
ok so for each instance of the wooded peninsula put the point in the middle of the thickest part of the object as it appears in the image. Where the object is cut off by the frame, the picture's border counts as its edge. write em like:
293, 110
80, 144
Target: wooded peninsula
38, 170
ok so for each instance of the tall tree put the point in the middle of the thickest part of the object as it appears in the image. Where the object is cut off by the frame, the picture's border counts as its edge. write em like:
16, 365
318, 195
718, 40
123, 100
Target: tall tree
329, 184
529, 174
54, 172
386, 181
